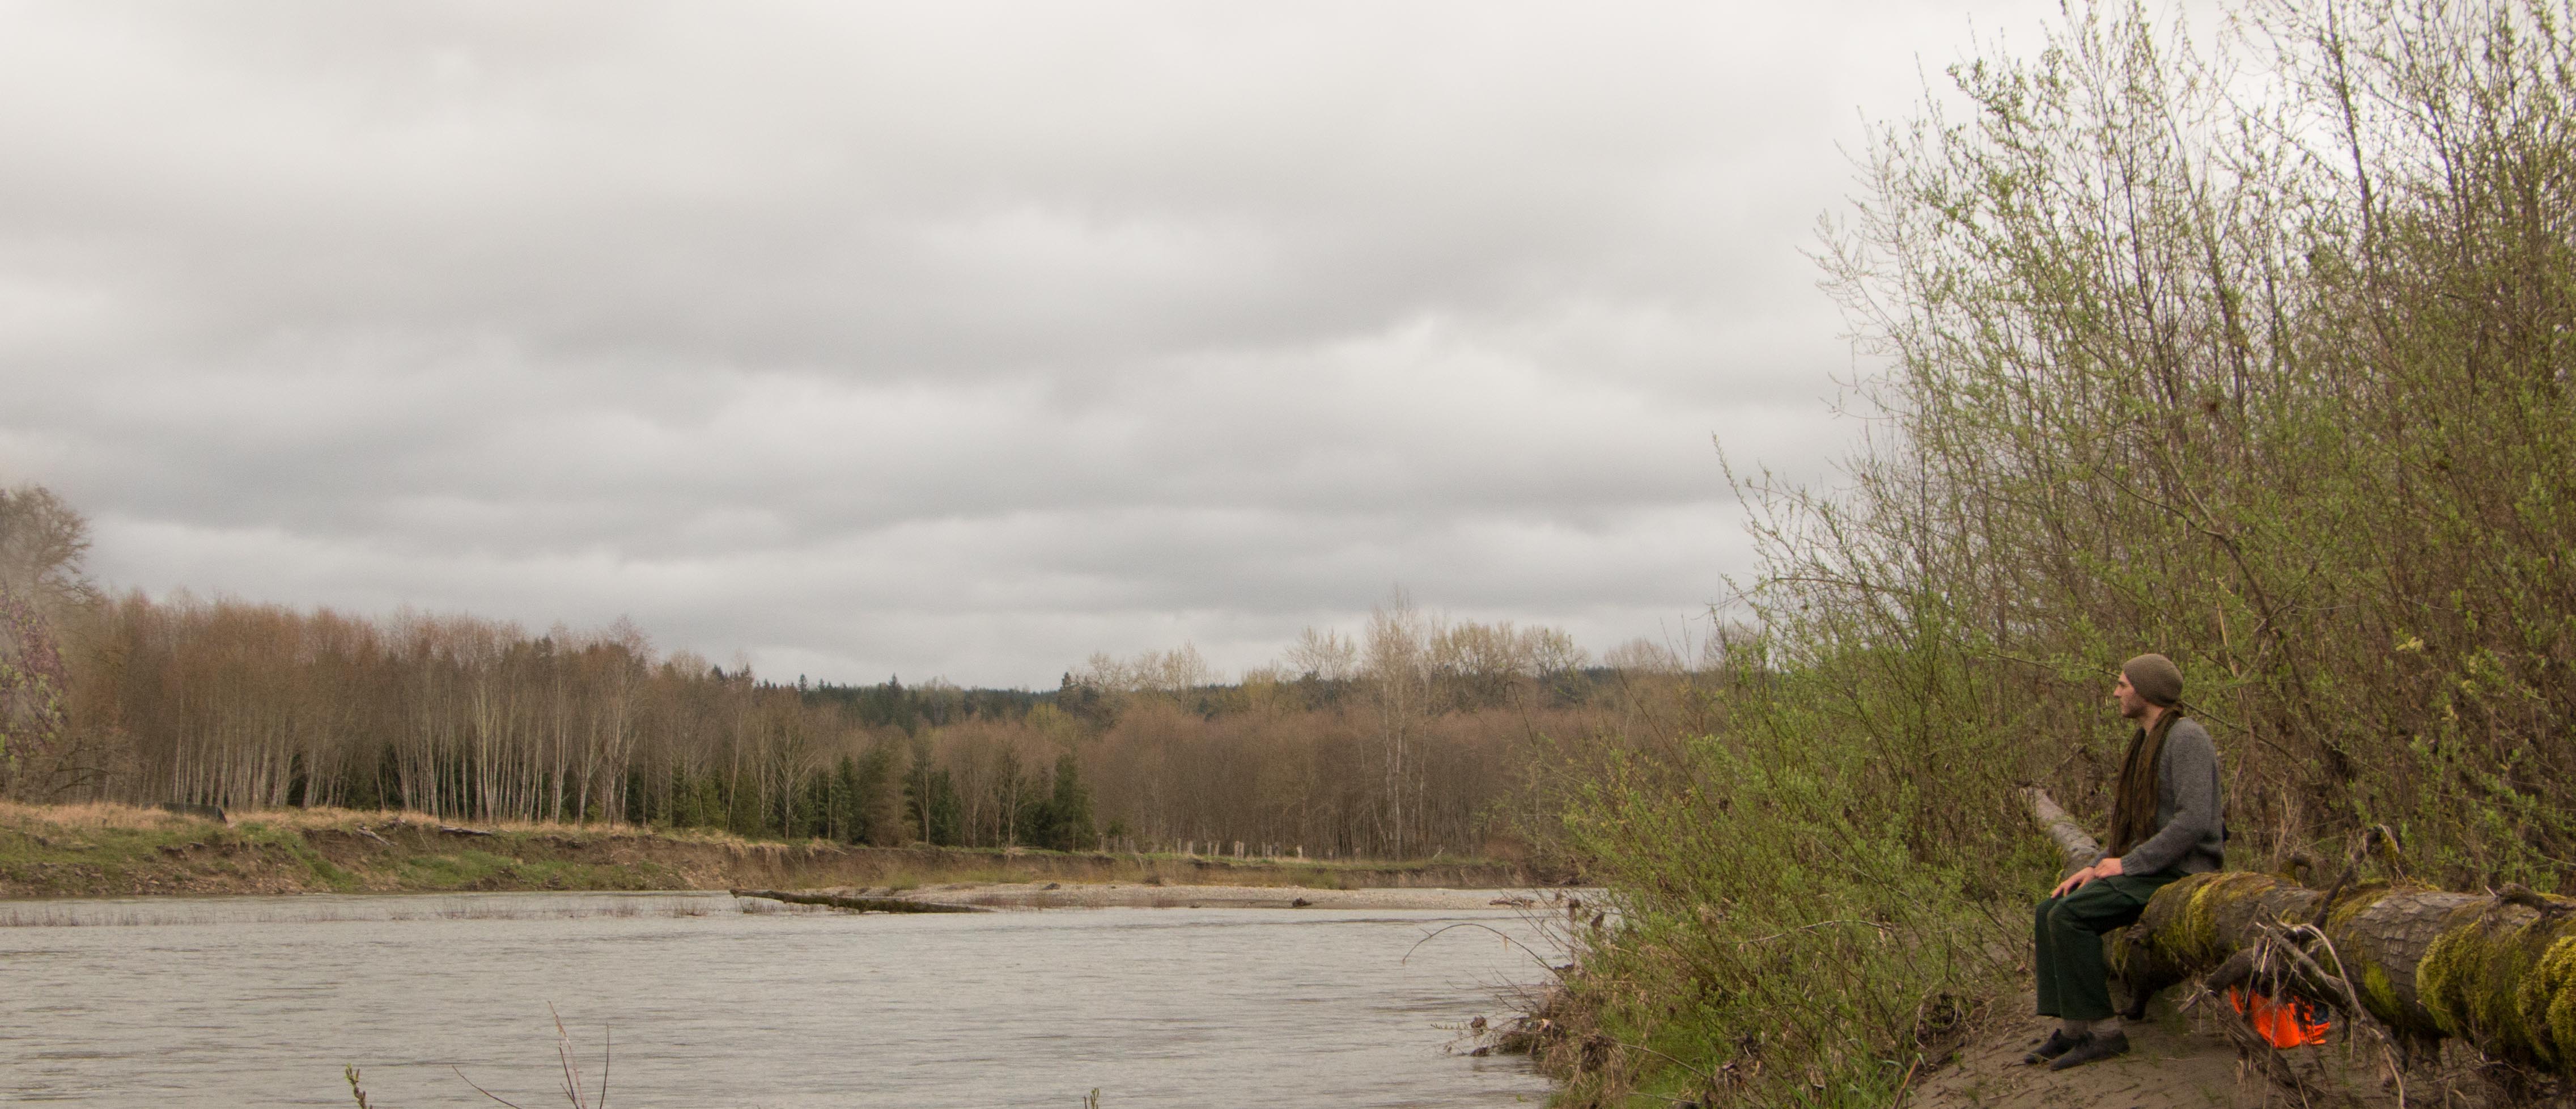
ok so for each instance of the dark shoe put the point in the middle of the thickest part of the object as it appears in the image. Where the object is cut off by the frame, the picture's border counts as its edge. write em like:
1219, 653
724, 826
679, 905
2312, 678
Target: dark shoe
2094, 1049
2059, 1043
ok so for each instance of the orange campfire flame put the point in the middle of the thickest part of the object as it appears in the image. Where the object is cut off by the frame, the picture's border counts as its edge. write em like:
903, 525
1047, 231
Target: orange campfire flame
2292, 1023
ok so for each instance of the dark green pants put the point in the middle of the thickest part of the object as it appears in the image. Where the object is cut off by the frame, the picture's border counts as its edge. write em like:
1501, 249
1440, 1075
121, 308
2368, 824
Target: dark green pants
2066, 942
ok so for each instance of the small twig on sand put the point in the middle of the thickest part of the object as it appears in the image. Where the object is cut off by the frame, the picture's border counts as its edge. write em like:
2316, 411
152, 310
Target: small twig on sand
1906, 1084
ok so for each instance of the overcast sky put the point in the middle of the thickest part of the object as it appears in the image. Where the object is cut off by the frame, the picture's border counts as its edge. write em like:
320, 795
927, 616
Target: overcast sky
935, 339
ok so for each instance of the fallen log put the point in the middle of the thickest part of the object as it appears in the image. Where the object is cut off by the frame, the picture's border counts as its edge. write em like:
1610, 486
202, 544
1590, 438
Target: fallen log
2079, 849
2494, 970
861, 904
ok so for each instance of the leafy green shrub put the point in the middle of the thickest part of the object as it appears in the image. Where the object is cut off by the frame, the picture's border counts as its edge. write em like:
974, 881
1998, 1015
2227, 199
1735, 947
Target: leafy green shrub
1795, 910
2258, 351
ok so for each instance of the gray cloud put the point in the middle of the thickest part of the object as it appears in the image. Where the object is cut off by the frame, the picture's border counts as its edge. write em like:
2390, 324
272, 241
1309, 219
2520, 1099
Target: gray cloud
962, 339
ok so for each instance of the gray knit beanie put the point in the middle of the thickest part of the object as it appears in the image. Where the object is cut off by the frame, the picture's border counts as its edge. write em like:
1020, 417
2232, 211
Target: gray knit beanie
2156, 678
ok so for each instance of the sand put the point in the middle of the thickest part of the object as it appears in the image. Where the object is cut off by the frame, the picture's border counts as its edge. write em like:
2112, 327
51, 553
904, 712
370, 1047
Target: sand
1084, 895
2176, 1060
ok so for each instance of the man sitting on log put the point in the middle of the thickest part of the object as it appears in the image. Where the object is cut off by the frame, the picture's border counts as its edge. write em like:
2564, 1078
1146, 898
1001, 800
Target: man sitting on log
2167, 821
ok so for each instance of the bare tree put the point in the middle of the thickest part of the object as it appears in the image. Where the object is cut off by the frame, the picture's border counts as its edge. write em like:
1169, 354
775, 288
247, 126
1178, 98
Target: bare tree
42, 544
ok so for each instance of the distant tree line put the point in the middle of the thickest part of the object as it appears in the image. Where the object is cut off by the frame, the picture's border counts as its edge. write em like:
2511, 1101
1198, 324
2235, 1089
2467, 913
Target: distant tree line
1414, 737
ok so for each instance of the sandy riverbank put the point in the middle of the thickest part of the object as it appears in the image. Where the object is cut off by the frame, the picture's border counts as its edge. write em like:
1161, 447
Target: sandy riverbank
1135, 895
121, 851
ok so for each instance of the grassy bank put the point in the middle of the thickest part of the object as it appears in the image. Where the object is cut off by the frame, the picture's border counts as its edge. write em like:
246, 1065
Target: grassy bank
106, 850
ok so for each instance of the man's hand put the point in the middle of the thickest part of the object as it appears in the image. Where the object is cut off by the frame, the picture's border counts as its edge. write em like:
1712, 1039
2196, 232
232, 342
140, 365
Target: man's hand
2107, 868
2072, 880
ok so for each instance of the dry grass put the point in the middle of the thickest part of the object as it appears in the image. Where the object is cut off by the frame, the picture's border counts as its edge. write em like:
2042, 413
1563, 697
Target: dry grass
111, 814
89, 815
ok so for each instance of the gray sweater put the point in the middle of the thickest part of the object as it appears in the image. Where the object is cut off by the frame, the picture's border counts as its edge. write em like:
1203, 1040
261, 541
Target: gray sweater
2191, 813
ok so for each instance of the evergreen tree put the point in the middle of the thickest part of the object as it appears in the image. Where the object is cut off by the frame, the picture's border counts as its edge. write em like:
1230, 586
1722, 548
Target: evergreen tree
847, 824
1067, 825
931, 808
876, 799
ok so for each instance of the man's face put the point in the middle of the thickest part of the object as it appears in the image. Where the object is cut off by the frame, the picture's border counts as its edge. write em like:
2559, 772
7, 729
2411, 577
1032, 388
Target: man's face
2132, 706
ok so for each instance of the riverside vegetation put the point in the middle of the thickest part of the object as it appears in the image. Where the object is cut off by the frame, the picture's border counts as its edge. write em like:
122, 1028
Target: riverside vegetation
2257, 349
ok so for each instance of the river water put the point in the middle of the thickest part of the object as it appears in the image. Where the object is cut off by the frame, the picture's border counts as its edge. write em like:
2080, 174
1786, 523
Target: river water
707, 1001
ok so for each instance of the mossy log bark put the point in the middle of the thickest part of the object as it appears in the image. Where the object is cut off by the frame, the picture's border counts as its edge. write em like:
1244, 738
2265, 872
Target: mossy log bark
2495, 970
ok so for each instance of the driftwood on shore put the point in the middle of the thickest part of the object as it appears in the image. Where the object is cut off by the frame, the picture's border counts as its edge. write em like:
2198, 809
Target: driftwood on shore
2494, 970
861, 904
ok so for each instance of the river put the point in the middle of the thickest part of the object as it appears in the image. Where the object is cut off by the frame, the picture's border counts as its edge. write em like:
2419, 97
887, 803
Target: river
707, 1001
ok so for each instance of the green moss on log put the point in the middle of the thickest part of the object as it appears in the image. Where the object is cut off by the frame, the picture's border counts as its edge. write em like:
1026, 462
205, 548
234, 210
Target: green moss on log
2380, 996
2201, 941
2188, 928
2181, 928
2505, 981
2549, 995
2353, 902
